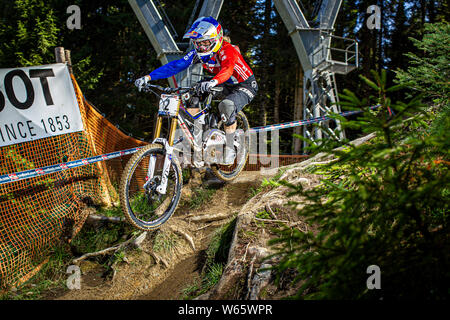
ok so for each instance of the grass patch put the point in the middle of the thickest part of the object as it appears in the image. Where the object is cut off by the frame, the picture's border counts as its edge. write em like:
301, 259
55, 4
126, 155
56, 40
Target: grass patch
94, 239
248, 234
267, 184
279, 174
254, 191
186, 174
216, 258
110, 211
201, 196
164, 242
263, 215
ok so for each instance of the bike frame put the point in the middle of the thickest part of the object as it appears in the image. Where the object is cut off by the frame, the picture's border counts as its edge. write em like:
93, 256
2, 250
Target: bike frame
176, 118
179, 119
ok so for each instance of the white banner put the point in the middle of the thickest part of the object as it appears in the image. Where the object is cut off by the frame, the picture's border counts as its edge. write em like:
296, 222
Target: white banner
36, 103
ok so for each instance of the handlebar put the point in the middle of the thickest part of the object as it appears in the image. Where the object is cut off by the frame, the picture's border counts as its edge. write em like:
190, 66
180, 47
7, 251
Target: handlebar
166, 90
180, 90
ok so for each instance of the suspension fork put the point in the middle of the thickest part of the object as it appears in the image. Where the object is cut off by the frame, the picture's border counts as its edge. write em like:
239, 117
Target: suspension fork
162, 188
152, 161
168, 147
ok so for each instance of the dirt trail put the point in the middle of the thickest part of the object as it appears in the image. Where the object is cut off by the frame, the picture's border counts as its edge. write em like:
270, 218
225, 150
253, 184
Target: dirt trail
141, 277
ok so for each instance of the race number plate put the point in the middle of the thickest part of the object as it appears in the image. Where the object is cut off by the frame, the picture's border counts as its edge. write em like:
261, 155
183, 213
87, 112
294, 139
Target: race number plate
169, 104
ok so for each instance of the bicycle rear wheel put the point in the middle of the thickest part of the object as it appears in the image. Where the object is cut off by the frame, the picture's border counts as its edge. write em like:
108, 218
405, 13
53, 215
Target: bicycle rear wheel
142, 205
228, 173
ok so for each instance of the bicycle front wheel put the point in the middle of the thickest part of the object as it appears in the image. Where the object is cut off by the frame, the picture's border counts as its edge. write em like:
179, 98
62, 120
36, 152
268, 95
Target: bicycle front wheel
144, 207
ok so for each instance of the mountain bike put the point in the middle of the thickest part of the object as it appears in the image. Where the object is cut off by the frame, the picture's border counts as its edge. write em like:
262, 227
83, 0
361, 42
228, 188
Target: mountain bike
150, 186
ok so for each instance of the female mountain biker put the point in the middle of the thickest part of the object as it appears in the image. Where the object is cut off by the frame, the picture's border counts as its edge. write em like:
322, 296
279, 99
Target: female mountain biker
223, 60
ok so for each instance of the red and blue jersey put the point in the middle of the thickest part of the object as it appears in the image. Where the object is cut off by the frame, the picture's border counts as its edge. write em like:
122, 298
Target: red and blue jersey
227, 65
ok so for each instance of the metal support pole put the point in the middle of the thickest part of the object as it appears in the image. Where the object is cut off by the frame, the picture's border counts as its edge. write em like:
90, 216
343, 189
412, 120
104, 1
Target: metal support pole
314, 50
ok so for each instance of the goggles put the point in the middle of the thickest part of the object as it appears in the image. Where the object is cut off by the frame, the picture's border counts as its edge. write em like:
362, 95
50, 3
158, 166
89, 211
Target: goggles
203, 46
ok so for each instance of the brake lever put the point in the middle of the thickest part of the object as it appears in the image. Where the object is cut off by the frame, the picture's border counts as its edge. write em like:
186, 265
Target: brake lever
216, 89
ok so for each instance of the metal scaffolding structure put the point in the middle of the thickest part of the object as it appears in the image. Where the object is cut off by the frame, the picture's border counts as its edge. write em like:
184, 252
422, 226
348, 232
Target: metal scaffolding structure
322, 55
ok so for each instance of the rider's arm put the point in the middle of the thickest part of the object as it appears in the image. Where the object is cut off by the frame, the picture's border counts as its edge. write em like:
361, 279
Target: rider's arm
229, 57
173, 67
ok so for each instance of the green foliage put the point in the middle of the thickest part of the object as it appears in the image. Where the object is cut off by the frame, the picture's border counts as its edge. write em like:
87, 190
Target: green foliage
387, 206
91, 239
186, 174
263, 215
255, 190
87, 76
216, 257
201, 196
165, 242
31, 37
110, 211
141, 205
267, 183
272, 182
220, 244
441, 123
201, 285
429, 70
52, 277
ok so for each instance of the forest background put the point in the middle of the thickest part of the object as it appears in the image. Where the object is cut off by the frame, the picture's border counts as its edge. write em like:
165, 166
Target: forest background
111, 50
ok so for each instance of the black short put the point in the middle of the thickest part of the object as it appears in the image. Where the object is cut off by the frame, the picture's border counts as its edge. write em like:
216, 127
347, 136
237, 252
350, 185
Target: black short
241, 94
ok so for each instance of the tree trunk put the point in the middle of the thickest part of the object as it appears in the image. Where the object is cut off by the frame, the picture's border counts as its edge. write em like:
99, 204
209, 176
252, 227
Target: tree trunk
423, 11
298, 109
432, 11
276, 110
263, 115
266, 61
381, 36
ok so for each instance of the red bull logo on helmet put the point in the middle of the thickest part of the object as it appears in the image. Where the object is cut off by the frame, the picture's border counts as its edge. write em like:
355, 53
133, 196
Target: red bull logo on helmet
193, 33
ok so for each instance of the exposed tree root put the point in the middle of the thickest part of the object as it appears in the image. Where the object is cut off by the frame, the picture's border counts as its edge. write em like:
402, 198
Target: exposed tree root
208, 217
133, 241
94, 219
249, 278
187, 237
158, 259
213, 224
269, 210
260, 280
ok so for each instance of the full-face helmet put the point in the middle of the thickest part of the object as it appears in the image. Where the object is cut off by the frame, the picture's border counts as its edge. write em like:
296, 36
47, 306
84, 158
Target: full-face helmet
206, 35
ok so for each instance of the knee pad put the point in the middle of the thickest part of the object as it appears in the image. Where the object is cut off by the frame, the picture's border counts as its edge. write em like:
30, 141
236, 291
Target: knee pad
227, 110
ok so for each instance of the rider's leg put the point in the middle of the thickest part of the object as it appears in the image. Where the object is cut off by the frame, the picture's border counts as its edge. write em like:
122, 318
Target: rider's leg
230, 129
227, 110
234, 102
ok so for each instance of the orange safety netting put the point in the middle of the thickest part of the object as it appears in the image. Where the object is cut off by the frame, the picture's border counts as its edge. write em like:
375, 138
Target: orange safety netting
38, 213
